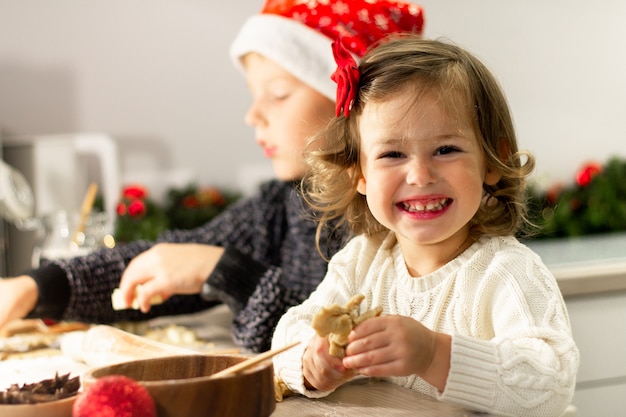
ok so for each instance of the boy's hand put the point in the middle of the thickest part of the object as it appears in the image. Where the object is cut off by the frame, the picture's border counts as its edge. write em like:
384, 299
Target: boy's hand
18, 296
321, 370
167, 269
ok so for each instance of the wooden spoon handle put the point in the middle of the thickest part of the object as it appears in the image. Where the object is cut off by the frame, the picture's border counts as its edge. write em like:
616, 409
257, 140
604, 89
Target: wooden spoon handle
85, 210
252, 361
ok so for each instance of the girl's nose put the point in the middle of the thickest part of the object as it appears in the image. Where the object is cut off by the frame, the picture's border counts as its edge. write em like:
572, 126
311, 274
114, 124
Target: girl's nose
420, 172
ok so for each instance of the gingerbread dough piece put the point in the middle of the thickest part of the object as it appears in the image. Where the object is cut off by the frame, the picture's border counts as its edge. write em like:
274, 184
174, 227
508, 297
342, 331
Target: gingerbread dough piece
281, 390
336, 322
119, 304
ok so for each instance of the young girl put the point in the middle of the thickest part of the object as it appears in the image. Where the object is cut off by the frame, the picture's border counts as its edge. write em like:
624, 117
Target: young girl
423, 165
258, 256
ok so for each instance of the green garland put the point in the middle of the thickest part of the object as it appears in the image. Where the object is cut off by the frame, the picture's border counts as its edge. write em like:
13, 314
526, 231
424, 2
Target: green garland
193, 206
140, 218
595, 203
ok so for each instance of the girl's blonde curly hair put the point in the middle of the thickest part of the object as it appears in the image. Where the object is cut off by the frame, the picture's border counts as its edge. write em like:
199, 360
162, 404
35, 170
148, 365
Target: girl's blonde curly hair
410, 62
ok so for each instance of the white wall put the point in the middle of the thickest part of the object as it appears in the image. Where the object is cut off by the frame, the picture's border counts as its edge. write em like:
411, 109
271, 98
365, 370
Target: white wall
562, 65
156, 76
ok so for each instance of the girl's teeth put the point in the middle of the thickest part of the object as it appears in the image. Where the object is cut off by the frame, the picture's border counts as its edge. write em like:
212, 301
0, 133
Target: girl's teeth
431, 206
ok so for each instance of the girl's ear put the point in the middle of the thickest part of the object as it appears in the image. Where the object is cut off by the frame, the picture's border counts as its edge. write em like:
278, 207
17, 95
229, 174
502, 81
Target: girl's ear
361, 186
492, 177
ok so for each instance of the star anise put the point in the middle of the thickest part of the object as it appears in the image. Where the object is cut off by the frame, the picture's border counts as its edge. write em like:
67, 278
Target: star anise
45, 390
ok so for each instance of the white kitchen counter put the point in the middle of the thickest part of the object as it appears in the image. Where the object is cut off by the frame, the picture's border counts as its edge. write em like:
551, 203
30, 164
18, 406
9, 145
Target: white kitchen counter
591, 273
585, 265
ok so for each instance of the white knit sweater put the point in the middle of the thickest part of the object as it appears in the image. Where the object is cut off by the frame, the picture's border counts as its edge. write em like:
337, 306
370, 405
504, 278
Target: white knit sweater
512, 348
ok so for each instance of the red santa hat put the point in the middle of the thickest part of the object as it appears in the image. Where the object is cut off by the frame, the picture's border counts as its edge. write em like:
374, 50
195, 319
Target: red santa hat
297, 34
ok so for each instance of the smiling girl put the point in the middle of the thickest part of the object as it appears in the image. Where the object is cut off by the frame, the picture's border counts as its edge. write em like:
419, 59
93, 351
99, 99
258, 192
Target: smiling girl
424, 166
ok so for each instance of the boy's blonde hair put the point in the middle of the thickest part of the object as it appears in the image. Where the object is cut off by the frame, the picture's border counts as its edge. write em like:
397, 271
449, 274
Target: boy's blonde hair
410, 62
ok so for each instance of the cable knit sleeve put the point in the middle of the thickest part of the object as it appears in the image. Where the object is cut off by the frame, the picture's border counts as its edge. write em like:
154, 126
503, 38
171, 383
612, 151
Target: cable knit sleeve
83, 288
283, 266
518, 356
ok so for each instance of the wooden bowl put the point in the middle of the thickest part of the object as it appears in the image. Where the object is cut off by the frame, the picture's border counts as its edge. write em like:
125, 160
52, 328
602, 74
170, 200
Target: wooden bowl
181, 386
58, 408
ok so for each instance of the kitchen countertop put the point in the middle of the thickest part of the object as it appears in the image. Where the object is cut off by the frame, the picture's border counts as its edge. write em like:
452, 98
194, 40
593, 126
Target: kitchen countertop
371, 397
585, 265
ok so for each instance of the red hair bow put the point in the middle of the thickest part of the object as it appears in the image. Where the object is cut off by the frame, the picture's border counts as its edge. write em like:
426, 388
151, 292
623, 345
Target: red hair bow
347, 78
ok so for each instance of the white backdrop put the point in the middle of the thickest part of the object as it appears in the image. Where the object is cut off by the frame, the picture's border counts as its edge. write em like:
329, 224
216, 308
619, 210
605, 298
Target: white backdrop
156, 76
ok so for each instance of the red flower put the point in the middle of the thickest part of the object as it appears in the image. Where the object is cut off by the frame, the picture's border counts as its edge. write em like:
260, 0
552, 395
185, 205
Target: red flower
554, 192
121, 209
190, 201
210, 196
134, 191
587, 172
347, 78
136, 208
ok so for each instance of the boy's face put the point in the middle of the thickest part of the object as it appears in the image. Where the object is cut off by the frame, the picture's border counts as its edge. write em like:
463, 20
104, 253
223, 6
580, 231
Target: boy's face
423, 173
285, 112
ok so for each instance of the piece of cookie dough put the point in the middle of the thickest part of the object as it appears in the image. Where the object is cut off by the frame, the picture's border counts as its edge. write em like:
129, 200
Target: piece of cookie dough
337, 322
119, 303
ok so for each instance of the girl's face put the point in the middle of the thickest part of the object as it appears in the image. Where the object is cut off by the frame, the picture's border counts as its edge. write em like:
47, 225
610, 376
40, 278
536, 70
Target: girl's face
423, 171
285, 112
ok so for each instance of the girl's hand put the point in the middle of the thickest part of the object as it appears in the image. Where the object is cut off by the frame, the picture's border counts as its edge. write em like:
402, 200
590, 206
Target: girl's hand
321, 370
167, 269
394, 345
18, 296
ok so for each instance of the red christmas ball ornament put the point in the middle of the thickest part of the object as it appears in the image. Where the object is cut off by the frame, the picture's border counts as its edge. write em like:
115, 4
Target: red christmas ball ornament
114, 396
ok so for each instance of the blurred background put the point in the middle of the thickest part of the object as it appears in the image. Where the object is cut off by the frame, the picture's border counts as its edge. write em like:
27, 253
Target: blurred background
156, 76
143, 92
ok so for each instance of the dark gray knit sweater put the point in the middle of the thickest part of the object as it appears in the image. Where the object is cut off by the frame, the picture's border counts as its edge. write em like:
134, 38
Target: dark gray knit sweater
270, 263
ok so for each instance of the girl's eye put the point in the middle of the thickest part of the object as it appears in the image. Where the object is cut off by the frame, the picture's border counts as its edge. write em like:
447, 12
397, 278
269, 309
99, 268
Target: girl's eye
445, 150
392, 154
